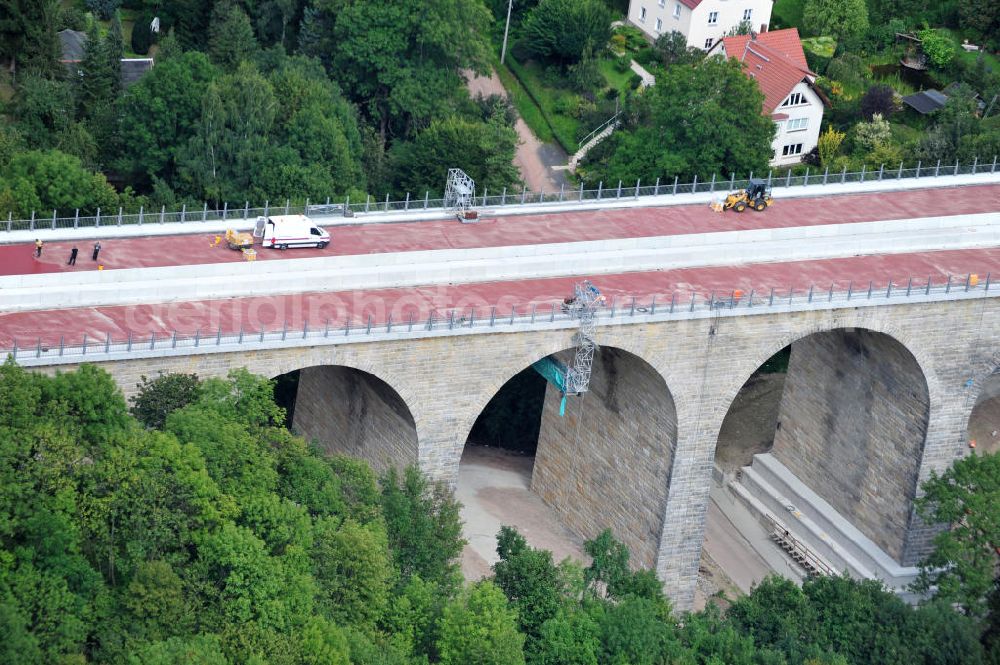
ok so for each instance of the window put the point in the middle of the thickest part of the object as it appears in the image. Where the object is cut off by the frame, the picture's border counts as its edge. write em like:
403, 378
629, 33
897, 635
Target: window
794, 99
747, 13
708, 43
677, 10
642, 14
663, 3
792, 149
659, 25
713, 18
798, 124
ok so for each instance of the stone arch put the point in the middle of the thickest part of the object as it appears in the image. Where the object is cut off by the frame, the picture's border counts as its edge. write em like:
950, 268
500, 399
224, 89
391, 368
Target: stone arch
852, 423
607, 462
984, 416
346, 408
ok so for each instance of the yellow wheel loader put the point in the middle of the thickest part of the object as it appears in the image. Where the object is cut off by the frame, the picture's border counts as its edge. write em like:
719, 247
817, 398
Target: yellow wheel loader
757, 195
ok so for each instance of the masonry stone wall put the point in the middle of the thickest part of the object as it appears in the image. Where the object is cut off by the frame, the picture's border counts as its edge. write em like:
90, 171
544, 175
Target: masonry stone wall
606, 463
851, 426
350, 412
447, 381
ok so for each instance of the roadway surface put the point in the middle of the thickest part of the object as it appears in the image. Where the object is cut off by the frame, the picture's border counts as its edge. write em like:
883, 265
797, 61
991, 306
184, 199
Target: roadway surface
561, 227
337, 308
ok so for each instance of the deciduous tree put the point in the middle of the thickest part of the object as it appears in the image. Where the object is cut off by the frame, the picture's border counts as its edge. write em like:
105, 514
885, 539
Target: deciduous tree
560, 30
837, 18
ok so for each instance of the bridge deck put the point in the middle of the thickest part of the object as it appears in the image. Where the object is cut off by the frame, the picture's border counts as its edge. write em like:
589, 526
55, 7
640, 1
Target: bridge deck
196, 248
315, 309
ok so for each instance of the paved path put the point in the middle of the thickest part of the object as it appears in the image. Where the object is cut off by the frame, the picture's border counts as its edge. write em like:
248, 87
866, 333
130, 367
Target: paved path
494, 488
534, 159
560, 227
317, 308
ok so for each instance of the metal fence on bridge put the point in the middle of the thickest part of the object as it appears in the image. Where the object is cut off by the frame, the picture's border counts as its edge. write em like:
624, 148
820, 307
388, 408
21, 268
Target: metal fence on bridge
488, 319
487, 199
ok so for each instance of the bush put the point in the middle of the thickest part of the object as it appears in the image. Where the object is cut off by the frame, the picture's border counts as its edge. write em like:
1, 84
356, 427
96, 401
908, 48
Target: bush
142, 36
646, 57
562, 30
879, 99
849, 69
71, 18
622, 64
938, 48
104, 9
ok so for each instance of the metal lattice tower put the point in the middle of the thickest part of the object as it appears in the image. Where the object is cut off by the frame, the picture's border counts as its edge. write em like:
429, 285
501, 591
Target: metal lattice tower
459, 190
584, 306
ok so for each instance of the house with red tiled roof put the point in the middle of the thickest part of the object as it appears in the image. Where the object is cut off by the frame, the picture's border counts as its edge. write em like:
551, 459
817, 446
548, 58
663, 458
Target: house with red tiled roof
702, 22
776, 61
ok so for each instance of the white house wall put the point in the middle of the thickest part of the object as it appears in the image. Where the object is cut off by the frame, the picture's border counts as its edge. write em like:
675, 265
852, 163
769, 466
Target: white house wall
812, 110
693, 24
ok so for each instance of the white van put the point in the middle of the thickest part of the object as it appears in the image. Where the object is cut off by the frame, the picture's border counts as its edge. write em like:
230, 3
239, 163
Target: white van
284, 231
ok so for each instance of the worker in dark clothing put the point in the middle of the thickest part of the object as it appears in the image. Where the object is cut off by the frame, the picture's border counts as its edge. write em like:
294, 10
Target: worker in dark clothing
97, 249
72, 256
38, 248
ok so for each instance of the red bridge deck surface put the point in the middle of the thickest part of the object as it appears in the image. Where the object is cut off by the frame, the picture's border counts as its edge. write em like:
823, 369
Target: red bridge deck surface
270, 313
559, 227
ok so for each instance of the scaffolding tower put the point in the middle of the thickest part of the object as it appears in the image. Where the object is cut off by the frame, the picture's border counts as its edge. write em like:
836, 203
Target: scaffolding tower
575, 379
583, 307
459, 191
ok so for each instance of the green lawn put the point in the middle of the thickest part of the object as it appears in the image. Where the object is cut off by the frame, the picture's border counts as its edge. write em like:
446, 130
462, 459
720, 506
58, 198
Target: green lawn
787, 14
616, 79
971, 56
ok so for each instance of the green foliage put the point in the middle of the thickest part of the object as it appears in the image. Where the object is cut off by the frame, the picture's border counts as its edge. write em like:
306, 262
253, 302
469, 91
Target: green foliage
52, 180
478, 627
231, 37
829, 146
423, 525
963, 564
104, 9
28, 36
560, 30
142, 37
837, 18
484, 150
672, 49
721, 132
352, 569
879, 99
159, 397
529, 579
938, 48
980, 16
873, 134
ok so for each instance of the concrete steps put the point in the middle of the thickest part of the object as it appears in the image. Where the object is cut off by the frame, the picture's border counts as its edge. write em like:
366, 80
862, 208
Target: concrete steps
769, 486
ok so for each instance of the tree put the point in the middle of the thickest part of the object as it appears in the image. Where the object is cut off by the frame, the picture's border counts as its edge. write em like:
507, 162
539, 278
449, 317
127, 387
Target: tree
43, 108
963, 563
28, 36
697, 120
157, 398
635, 631
231, 37
829, 145
560, 30
104, 9
52, 180
160, 113
838, 18
529, 579
483, 150
873, 134
570, 637
352, 569
424, 528
938, 48
479, 627
399, 65
981, 16
672, 48
880, 99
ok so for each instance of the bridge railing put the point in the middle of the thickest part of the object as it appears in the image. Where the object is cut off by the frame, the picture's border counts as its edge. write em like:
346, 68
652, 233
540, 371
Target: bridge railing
489, 199
61, 349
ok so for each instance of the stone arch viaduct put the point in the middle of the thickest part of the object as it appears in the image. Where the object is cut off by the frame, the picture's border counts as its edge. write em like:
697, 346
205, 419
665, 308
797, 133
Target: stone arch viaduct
636, 453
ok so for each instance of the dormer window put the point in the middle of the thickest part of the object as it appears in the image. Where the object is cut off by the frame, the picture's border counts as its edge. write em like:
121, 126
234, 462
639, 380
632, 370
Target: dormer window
794, 99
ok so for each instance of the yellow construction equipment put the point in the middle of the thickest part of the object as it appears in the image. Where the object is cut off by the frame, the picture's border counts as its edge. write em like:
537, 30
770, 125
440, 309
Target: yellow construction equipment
757, 195
237, 240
